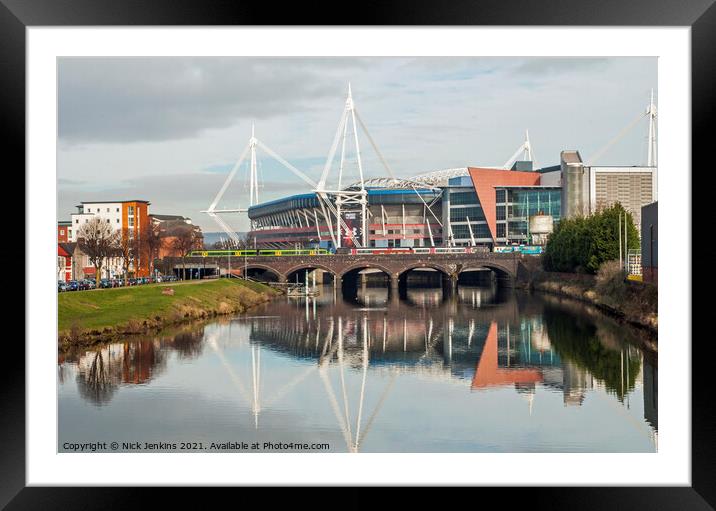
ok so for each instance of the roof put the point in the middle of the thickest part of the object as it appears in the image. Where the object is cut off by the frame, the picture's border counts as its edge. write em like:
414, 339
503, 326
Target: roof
168, 217
538, 187
64, 222
571, 156
112, 201
310, 200
68, 247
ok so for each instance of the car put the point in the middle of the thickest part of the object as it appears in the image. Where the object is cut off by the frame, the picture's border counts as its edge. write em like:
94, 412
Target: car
73, 285
105, 283
62, 286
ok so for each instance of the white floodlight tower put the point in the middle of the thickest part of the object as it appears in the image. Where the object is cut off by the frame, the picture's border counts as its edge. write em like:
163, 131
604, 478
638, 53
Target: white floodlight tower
651, 112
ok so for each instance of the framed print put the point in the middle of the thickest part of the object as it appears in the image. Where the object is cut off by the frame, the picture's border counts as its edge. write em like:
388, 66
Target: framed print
420, 249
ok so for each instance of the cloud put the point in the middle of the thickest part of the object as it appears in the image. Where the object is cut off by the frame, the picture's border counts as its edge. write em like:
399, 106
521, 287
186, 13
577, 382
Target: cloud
155, 99
550, 65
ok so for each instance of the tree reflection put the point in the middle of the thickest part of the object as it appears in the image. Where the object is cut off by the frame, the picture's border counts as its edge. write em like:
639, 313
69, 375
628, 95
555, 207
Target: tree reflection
136, 362
97, 379
189, 344
580, 341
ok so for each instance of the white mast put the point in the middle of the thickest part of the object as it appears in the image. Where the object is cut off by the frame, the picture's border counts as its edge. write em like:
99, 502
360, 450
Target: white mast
525, 149
651, 112
249, 150
253, 181
528, 147
345, 198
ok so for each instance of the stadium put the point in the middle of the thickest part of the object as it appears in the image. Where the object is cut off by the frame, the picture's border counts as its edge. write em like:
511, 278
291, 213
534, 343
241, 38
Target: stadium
493, 208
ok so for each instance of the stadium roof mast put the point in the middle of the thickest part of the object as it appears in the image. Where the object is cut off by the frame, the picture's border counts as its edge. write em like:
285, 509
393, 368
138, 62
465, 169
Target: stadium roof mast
352, 197
525, 149
356, 194
250, 149
651, 113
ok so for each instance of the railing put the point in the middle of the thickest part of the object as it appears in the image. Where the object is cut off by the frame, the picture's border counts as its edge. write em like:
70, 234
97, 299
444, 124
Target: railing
364, 251
261, 252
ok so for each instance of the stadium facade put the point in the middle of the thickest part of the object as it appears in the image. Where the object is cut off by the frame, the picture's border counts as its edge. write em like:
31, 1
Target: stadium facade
459, 207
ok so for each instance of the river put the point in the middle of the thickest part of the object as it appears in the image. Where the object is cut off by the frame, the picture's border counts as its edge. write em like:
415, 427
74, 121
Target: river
482, 370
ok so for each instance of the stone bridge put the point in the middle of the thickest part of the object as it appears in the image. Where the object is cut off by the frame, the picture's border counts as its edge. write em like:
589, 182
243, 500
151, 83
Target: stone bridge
507, 267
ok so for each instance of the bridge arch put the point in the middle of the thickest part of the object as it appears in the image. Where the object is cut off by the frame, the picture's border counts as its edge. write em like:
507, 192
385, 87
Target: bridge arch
500, 271
365, 265
309, 266
433, 278
264, 269
428, 266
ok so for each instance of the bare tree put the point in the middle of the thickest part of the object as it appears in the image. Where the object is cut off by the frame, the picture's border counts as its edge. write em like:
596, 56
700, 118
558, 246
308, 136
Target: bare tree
153, 241
185, 240
124, 251
98, 240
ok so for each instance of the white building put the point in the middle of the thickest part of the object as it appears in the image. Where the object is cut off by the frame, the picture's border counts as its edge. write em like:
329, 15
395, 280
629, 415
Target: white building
130, 217
111, 212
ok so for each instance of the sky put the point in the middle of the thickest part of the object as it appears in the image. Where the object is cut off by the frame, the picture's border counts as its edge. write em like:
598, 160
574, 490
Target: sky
169, 130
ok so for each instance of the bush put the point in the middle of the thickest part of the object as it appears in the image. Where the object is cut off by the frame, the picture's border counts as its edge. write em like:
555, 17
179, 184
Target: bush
583, 244
610, 281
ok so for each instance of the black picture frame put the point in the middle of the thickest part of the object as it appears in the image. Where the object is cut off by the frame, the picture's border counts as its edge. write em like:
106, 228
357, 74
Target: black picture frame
17, 15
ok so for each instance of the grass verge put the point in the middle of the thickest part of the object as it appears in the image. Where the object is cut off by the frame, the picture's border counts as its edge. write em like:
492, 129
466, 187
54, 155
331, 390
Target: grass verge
88, 317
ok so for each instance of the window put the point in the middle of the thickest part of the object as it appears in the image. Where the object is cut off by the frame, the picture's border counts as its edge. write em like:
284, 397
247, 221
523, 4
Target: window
463, 198
108, 220
107, 210
117, 210
118, 220
500, 196
62, 232
77, 220
461, 214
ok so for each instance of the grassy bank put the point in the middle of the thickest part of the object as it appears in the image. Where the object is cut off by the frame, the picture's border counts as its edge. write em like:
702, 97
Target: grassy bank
88, 317
633, 302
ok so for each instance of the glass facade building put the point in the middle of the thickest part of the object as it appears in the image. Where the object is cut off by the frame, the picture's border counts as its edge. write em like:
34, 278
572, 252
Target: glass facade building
463, 214
515, 206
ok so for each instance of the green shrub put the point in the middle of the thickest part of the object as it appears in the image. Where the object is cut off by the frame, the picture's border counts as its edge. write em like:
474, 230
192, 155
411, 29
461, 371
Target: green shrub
583, 244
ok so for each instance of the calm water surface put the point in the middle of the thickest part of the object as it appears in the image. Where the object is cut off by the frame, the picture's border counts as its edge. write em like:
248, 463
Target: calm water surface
480, 371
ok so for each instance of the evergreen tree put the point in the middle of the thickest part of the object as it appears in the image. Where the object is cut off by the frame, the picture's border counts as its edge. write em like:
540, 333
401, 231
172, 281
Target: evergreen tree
582, 244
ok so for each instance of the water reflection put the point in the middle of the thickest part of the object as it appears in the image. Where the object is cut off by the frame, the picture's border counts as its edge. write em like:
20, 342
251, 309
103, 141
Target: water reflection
102, 370
359, 347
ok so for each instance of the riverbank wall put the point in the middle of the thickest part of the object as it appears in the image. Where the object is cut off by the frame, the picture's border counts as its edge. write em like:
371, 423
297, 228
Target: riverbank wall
89, 317
633, 302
